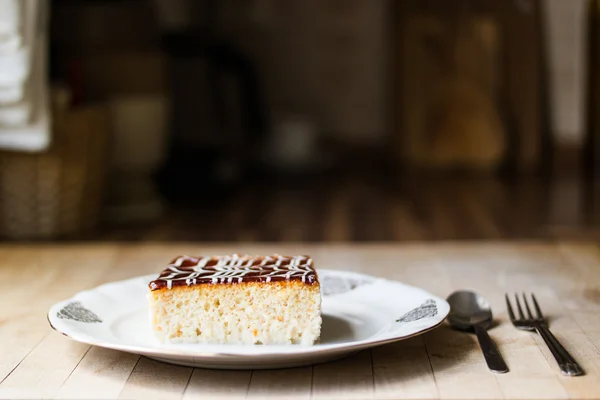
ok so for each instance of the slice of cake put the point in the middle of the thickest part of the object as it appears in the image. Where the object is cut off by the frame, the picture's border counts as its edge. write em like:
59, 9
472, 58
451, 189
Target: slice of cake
237, 299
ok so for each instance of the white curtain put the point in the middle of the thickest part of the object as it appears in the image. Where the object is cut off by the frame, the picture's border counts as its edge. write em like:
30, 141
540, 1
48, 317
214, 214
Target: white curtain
24, 110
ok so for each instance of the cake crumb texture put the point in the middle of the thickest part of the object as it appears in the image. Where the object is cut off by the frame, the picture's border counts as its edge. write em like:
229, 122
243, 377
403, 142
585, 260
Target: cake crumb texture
287, 312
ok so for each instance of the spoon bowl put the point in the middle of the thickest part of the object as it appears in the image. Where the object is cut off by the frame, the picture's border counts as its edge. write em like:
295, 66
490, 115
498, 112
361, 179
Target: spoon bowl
468, 309
471, 312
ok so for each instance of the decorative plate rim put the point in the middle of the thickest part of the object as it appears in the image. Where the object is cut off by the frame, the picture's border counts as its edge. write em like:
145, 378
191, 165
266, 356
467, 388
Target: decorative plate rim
268, 351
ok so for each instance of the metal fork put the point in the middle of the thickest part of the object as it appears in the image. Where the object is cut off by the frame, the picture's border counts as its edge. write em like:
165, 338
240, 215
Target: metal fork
566, 362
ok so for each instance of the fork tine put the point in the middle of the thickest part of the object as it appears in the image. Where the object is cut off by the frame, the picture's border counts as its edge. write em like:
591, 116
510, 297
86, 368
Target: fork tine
537, 307
511, 314
521, 315
527, 306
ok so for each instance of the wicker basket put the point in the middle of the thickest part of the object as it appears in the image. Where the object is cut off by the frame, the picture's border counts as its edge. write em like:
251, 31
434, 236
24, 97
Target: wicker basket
57, 193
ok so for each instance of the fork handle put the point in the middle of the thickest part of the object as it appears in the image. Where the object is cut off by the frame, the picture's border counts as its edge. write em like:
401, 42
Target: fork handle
566, 362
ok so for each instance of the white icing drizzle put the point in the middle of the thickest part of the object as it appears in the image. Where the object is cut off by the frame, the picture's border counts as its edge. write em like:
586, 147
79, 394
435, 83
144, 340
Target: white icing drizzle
235, 267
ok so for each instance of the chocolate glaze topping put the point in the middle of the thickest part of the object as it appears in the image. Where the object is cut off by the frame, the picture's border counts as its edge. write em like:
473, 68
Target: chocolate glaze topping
185, 270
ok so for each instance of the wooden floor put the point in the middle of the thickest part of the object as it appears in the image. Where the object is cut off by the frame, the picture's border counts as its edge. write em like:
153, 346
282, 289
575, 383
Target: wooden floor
378, 209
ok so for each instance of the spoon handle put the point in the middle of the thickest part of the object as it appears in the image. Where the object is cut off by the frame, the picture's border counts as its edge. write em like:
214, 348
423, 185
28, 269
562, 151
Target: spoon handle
493, 358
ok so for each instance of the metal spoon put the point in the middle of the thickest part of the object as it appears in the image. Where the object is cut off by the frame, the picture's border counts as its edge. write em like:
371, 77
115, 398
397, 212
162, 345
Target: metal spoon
471, 312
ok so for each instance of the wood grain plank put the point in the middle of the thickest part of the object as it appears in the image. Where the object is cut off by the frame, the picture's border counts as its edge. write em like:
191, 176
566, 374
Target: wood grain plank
563, 325
583, 260
576, 341
474, 268
19, 338
413, 264
294, 383
530, 375
141, 259
349, 378
156, 380
18, 264
449, 351
588, 355
534, 268
209, 384
57, 272
104, 371
591, 323
22, 266
440, 364
18, 332
403, 370
42, 373
456, 354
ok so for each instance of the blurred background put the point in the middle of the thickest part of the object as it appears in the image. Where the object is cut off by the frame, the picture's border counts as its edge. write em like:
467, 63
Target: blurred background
299, 120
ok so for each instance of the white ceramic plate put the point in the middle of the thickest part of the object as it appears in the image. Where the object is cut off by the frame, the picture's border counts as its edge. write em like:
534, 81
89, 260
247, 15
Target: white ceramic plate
359, 312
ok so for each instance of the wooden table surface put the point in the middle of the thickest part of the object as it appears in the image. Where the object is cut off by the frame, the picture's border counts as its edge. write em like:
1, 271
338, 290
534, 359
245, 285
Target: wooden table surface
36, 362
